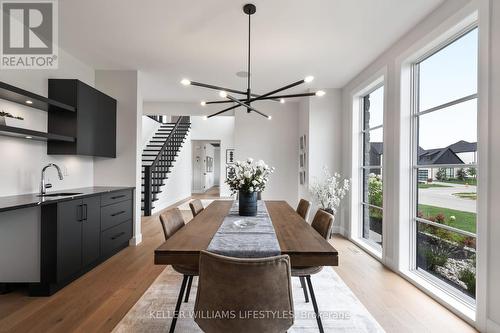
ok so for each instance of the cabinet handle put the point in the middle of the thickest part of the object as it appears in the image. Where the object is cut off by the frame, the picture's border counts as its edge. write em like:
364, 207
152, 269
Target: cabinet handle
85, 212
79, 213
118, 197
119, 213
118, 235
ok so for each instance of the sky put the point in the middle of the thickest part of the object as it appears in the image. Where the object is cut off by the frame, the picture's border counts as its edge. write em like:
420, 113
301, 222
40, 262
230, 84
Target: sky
447, 75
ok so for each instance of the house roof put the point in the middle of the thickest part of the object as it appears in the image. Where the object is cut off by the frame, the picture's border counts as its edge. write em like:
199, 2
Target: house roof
446, 155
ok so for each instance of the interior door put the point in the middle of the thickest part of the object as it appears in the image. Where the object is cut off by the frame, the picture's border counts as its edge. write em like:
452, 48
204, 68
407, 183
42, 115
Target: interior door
69, 234
91, 230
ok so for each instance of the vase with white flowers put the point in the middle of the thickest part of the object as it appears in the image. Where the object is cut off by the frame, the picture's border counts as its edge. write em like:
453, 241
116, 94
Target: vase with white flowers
248, 179
329, 191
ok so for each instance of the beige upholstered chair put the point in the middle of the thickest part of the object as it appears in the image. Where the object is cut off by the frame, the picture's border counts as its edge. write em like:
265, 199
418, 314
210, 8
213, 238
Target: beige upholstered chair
235, 286
196, 207
322, 223
171, 222
303, 208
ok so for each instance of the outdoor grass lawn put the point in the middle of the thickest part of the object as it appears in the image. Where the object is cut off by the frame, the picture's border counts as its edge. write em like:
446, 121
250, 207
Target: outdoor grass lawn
466, 195
429, 185
469, 181
463, 220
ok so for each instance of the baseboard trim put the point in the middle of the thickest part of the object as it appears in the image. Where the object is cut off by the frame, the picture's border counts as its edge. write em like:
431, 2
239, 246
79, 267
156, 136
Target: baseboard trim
136, 240
492, 327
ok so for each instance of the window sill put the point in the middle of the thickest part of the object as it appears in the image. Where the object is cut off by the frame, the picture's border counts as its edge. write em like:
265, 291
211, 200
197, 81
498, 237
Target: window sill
368, 247
453, 303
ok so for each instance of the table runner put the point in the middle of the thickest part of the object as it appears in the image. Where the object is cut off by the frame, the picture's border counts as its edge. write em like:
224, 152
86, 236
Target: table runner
255, 241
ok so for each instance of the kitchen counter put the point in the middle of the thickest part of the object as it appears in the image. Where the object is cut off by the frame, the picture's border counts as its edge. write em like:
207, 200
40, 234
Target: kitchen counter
33, 199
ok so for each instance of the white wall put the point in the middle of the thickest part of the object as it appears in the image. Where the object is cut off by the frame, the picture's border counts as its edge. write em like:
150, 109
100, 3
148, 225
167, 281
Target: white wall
493, 123
217, 164
275, 141
178, 185
125, 169
149, 128
22, 160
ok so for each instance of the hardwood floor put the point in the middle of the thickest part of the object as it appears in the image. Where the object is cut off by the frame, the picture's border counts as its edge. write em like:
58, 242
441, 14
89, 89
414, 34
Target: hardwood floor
97, 301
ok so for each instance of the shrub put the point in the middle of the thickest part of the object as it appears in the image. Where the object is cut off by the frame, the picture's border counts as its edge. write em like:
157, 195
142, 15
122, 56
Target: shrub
375, 187
468, 277
468, 242
472, 172
440, 218
433, 259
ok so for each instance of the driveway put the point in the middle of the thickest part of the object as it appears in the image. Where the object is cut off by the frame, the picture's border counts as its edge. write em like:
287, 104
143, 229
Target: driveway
443, 197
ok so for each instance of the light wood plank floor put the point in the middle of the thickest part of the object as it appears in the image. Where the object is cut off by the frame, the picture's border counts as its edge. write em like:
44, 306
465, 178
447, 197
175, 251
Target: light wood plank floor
97, 301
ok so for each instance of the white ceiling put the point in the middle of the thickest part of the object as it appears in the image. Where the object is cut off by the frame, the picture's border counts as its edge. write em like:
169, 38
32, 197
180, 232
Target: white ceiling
205, 40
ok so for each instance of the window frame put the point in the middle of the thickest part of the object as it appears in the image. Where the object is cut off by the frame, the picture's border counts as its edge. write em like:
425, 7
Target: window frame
414, 219
362, 167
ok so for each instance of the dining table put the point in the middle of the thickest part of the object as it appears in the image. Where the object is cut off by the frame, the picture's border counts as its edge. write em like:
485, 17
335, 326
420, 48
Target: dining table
296, 237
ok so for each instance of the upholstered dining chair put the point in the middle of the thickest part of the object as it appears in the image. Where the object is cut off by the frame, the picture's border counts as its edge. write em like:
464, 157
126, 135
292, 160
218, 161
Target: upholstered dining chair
171, 222
322, 223
196, 207
238, 287
303, 208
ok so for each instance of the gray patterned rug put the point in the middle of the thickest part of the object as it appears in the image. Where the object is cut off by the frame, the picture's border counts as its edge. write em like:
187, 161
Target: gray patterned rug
340, 309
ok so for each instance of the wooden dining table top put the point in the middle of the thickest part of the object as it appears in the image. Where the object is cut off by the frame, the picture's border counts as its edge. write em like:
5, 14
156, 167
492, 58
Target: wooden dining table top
296, 237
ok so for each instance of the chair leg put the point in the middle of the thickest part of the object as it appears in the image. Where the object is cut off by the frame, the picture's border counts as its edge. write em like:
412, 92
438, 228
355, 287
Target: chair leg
178, 305
304, 288
188, 290
315, 305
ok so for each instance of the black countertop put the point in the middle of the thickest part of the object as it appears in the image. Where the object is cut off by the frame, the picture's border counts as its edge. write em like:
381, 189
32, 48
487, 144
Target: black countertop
31, 200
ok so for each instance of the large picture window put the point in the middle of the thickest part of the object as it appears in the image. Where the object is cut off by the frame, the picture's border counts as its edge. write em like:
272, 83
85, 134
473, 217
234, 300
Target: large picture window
445, 163
371, 169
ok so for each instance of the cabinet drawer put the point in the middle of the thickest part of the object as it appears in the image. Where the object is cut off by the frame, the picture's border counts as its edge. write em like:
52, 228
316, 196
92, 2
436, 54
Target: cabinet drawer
115, 214
115, 238
114, 197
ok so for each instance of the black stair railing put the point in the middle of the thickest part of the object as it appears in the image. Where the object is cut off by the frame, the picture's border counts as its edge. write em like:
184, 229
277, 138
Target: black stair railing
160, 165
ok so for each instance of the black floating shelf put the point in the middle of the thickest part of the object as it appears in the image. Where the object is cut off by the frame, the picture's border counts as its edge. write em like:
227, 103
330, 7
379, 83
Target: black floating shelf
20, 96
33, 135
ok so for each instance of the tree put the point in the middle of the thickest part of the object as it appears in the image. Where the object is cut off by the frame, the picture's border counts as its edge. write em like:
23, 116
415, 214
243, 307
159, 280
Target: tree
461, 174
441, 174
472, 172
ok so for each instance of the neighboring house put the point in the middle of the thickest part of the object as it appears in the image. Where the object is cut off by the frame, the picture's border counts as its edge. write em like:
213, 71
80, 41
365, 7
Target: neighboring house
461, 152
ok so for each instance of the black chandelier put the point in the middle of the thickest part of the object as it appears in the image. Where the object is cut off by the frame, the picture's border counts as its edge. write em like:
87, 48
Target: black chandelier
250, 97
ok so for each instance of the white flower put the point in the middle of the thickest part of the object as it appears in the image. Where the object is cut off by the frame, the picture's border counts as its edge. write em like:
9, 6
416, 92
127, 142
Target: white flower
247, 174
254, 182
261, 164
250, 189
249, 160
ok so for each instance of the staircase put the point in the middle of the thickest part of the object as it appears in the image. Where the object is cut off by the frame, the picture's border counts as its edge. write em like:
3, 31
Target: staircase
158, 159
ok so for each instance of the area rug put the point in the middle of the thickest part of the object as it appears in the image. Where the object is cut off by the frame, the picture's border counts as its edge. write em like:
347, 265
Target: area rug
340, 310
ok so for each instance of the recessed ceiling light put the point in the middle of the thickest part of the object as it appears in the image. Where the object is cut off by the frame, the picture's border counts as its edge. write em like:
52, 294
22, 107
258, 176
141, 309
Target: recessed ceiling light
308, 79
282, 100
203, 103
185, 82
28, 137
320, 93
29, 102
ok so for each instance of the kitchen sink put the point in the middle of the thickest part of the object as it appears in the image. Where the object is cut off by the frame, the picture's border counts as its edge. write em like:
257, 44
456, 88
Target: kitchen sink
62, 194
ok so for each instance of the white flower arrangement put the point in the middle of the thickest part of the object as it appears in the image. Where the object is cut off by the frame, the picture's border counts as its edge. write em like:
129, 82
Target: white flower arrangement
249, 177
329, 191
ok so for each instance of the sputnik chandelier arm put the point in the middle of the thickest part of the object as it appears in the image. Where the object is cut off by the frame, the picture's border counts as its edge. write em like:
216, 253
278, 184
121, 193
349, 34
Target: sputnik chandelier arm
249, 97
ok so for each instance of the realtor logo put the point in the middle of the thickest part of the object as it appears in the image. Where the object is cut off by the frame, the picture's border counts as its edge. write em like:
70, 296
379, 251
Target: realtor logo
29, 34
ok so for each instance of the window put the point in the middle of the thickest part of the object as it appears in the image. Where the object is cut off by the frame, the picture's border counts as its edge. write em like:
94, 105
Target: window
444, 166
371, 174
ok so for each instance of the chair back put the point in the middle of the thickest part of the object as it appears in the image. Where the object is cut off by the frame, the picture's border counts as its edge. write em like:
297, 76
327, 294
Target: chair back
234, 288
323, 223
171, 222
303, 208
196, 207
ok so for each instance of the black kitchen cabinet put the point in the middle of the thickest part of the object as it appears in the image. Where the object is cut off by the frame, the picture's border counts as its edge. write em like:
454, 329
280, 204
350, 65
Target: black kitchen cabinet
77, 235
93, 124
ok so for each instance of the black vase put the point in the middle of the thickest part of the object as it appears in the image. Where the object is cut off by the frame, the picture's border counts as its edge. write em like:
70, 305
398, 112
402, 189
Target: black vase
247, 203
